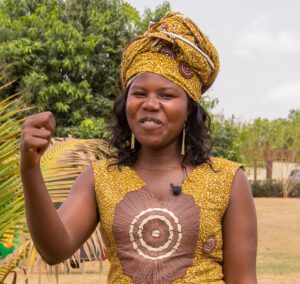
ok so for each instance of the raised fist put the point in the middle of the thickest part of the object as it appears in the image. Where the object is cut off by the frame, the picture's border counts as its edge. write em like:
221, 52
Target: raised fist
36, 134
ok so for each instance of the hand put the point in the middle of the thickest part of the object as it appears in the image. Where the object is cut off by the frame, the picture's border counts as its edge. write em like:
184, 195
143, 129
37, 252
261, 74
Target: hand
35, 139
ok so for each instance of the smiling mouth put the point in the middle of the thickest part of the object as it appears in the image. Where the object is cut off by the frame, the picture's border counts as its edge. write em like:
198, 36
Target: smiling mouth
150, 122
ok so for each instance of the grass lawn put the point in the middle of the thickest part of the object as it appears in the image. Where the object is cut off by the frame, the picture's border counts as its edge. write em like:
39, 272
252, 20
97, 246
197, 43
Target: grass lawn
278, 260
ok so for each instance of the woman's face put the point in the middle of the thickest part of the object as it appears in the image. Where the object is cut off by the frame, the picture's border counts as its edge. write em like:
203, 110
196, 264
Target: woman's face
156, 110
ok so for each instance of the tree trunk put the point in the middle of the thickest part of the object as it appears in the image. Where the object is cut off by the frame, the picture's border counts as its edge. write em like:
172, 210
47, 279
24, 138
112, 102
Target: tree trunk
255, 170
268, 157
269, 168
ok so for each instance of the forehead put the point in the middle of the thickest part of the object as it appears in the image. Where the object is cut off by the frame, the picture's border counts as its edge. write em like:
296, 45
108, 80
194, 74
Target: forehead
151, 80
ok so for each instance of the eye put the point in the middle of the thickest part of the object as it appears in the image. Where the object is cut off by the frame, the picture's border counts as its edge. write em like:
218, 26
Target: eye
138, 94
167, 96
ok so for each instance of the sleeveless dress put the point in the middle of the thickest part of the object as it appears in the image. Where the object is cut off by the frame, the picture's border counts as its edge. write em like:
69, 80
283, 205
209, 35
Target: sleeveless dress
178, 240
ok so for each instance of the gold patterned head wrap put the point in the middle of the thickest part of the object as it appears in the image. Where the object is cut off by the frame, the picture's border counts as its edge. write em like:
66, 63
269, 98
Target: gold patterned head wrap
176, 49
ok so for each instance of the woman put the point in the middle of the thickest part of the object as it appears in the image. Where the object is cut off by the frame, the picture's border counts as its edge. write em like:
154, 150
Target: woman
170, 212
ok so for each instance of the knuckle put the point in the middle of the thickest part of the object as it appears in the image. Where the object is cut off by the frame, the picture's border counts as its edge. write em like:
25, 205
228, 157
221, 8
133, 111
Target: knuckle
49, 114
49, 134
24, 132
27, 140
26, 122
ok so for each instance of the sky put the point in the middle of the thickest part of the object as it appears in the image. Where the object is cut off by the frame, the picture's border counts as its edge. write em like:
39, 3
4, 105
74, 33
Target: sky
259, 48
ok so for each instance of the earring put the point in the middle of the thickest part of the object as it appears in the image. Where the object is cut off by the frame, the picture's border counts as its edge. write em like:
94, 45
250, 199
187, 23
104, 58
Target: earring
183, 141
132, 142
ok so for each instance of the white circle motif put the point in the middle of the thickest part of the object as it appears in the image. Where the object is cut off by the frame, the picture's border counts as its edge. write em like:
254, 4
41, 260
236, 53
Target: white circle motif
155, 233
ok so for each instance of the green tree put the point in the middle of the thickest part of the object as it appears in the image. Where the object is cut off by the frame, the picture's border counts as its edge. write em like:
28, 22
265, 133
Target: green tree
294, 132
253, 141
266, 140
227, 138
66, 56
154, 16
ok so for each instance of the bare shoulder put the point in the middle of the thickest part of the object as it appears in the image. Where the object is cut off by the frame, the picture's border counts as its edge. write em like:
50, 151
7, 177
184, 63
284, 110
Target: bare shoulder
240, 187
85, 178
241, 204
82, 192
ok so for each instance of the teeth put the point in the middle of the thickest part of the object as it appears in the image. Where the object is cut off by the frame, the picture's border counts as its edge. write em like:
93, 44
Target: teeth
149, 122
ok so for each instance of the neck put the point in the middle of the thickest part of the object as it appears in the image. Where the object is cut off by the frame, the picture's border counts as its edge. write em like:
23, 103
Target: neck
163, 158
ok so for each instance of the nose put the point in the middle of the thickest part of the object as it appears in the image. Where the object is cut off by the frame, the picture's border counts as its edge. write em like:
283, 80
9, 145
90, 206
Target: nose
151, 103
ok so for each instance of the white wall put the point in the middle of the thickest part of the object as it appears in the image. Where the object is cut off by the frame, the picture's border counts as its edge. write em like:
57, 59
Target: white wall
281, 170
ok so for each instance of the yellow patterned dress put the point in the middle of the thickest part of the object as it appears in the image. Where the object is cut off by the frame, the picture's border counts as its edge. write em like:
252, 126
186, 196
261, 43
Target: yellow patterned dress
178, 240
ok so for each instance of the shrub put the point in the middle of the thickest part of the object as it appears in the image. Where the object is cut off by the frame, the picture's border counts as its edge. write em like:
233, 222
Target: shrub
271, 188
267, 188
295, 192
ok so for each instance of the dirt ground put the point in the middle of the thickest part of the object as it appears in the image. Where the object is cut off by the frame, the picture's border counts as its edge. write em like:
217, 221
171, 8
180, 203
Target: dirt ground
278, 259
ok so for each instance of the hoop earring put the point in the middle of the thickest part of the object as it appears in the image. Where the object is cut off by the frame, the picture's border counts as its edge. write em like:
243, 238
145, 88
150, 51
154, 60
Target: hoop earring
183, 141
132, 142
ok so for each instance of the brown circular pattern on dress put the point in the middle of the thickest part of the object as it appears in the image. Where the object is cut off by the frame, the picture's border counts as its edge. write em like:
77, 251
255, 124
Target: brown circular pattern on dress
168, 51
185, 71
155, 240
155, 224
210, 244
155, 233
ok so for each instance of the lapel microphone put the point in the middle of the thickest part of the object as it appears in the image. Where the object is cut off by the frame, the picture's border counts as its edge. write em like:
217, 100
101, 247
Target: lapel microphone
176, 189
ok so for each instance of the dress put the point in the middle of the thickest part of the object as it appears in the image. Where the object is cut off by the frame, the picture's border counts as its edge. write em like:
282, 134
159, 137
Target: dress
174, 241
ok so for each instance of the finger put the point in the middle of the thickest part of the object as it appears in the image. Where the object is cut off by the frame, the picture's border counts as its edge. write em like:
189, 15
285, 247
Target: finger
30, 132
35, 144
50, 123
44, 119
40, 133
53, 121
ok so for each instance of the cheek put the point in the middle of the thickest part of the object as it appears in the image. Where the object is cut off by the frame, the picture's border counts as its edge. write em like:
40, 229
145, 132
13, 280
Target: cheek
177, 113
131, 109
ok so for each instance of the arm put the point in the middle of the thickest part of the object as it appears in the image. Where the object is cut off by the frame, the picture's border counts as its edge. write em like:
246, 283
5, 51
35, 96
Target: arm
240, 234
56, 234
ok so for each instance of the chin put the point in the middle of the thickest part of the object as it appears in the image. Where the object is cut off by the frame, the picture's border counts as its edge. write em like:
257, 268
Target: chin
153, 144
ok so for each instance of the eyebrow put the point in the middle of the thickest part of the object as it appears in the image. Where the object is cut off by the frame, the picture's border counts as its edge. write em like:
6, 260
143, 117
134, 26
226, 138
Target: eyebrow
160, 89
168, 88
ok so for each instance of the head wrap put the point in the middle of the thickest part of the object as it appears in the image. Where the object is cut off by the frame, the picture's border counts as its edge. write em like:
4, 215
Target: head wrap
176, 49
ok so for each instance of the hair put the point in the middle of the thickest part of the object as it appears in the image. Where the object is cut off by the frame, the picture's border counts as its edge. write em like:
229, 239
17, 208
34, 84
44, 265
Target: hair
198, 140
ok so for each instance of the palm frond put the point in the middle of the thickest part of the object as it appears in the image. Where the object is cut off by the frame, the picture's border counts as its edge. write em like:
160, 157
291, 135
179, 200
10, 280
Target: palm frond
7, 84
63, 161
9, 163
61, 164
15, 259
